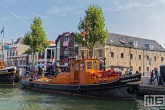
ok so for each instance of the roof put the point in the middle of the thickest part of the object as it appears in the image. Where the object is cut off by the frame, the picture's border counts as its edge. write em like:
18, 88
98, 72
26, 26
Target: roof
51, 42
127, 41
63, 35
19, 41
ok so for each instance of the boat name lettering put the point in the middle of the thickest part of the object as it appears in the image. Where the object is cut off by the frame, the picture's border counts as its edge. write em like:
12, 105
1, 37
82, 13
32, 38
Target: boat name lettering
129, 80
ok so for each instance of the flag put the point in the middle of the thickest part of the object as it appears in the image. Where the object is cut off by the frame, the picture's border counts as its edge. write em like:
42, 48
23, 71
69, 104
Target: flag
53, 62
83, 34
2, 30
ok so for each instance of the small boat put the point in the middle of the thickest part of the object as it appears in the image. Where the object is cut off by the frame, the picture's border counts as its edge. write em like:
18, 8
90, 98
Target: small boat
7, 74
85, 79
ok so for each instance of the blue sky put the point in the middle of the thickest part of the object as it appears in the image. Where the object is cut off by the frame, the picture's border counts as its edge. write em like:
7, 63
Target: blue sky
138, 18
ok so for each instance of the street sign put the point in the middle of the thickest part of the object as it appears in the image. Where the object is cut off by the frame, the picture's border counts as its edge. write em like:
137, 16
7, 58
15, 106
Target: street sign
6, 47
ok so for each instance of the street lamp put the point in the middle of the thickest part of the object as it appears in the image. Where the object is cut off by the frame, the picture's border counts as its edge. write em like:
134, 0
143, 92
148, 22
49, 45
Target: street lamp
104, 62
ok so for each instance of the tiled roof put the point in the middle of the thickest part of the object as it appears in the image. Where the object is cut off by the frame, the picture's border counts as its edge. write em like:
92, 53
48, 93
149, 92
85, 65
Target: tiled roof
124, 40
51, 42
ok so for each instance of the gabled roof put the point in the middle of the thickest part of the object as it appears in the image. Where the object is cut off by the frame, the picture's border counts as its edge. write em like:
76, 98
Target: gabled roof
126, 41
19, 41
64, 35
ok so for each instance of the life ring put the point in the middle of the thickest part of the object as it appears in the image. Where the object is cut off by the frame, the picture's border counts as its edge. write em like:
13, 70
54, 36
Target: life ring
79, 89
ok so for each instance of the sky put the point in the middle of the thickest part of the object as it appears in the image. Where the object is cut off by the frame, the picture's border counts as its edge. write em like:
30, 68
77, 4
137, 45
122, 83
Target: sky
138, 18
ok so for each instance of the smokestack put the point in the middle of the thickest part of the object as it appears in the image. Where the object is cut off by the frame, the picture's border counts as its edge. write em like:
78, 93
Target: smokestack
12, 41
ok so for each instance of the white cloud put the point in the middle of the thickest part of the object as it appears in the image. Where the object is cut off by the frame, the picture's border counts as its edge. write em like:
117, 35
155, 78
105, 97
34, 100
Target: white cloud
61, 11
46, 17
20, 18
11, 1
5, 18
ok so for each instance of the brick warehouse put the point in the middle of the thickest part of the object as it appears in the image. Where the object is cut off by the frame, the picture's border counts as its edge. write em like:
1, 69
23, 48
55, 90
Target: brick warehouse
121, 50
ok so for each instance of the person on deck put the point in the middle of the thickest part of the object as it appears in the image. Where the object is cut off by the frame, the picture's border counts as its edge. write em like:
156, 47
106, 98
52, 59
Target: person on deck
130, 71
156, 75
39, 70
152, 76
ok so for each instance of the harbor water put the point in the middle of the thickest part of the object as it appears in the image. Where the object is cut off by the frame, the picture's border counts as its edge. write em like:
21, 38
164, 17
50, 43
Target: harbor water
18, 98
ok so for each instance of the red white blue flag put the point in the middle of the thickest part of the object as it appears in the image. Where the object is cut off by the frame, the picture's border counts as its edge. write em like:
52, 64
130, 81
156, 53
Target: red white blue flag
53, 62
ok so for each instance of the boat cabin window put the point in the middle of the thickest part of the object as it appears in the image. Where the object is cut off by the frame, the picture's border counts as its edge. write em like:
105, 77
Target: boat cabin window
89, 65
82, 65
96, 65
76, 66
72, 66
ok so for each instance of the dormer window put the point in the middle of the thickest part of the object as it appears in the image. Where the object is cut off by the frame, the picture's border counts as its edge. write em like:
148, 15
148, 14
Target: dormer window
150, 46
122, 42
111, 41
135, 44
131, 43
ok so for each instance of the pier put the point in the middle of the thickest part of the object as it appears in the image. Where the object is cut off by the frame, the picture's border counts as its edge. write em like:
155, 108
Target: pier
150, 89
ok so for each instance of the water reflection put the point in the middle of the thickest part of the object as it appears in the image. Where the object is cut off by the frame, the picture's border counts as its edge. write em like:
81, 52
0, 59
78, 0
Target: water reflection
15, 98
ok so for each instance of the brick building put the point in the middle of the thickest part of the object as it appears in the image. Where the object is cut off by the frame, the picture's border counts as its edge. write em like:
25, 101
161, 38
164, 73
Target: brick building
66, 48
122, 50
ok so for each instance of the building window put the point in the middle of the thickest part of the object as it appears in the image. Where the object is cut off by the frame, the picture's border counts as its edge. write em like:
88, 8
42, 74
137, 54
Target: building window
90, 54
66, 38
135, 43
100, 43
122, 55
139, 57
58, 50
147, 68
48, 54
150, 46
66, 53
139, 68
82, 55
100, 53
154, 58
147, 57
53, 52
162, 58
83, 44
112, 54
131, 56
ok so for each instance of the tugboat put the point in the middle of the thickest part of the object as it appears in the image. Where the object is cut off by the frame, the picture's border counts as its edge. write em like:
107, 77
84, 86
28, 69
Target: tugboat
7, 74
85, 79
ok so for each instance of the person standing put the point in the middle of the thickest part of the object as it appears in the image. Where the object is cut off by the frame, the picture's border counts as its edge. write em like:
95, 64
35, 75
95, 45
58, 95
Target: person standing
156, 74
130, 71
152, 76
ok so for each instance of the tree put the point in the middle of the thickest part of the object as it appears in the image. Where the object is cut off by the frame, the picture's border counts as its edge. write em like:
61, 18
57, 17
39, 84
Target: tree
36, 38
92, 28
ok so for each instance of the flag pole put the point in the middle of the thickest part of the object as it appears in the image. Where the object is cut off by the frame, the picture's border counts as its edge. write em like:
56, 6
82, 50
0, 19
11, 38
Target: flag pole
3, 47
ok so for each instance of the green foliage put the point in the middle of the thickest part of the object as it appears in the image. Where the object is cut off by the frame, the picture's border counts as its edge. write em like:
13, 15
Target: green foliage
36, 38
94, 26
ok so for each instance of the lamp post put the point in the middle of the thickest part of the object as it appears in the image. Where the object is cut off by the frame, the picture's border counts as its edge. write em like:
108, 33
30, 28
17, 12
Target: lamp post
104, 62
